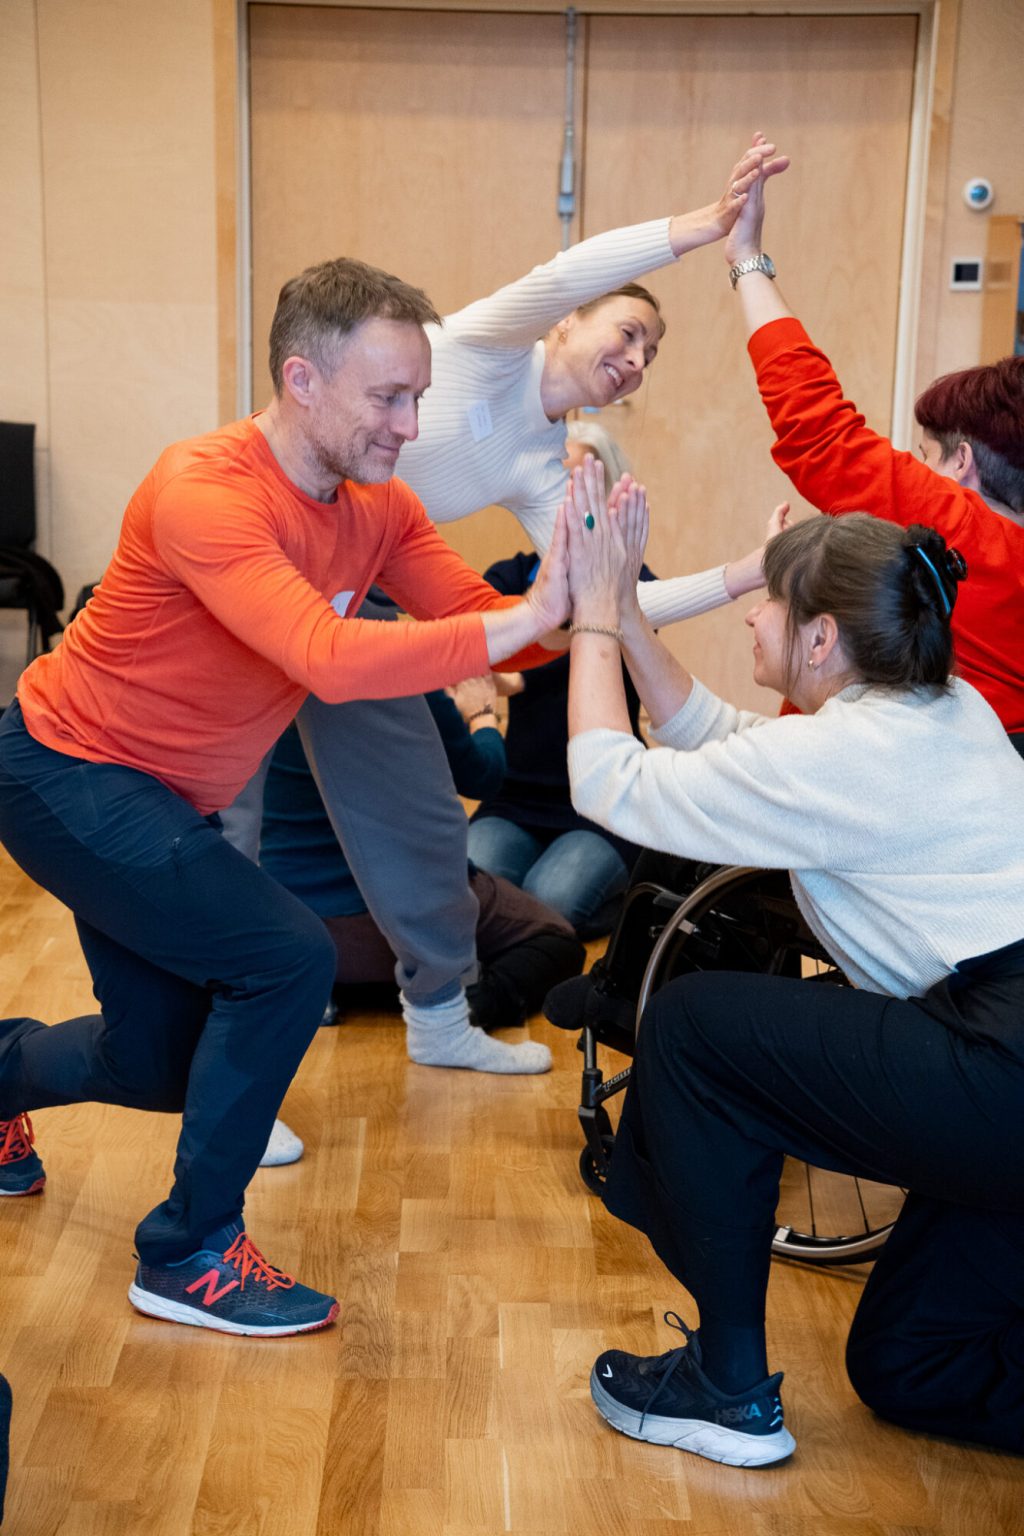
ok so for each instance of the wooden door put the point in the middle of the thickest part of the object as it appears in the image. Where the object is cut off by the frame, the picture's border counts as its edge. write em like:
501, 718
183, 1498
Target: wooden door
668, 101
424, 142
428, 143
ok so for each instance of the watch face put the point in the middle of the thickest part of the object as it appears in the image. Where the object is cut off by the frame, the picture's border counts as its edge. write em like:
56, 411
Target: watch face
768, 266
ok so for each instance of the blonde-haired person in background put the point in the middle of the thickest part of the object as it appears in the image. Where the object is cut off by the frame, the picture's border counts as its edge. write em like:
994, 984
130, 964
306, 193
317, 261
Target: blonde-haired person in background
527, 831
588, 436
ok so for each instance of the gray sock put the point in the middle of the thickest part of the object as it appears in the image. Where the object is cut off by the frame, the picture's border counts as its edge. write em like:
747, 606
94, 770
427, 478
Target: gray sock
442, 1036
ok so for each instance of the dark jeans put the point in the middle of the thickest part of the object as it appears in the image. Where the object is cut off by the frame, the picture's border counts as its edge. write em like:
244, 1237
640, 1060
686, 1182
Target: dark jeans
734, 1071
211, 978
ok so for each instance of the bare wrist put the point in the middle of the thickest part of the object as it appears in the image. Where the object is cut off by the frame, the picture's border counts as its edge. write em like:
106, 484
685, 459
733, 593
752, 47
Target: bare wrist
632, 621
749, 251
687, 231
744, 575
602, 613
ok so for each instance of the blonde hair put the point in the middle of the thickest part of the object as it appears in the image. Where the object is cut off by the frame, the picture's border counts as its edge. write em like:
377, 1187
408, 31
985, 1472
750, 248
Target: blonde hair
603, 446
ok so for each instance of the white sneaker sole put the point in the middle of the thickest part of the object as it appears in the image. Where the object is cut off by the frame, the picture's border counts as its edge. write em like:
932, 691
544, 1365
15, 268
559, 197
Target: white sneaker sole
175, 1312
716, 1442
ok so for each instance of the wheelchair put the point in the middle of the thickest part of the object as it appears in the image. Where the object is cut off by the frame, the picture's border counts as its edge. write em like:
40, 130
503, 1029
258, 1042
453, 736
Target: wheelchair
728, 918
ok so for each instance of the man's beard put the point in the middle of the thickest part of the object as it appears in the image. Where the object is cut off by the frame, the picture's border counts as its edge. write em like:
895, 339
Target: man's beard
346, 464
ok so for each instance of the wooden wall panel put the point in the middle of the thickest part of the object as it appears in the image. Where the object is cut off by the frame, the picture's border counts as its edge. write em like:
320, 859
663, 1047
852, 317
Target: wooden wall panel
425, 143
668, 101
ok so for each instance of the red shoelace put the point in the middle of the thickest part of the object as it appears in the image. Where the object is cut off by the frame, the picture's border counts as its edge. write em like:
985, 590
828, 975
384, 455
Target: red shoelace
16, 1139
251, 1264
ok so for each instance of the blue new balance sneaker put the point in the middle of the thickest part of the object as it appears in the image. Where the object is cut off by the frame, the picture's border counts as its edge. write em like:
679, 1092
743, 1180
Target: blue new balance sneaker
21, 1172
667, 1400
236, 1291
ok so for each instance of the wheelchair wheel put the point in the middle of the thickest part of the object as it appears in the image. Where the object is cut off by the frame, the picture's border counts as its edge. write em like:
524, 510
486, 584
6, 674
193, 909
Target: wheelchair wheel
594, 1172
747, 920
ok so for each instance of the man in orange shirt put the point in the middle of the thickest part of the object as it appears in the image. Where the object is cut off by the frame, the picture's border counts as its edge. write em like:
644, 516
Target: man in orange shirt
223, 607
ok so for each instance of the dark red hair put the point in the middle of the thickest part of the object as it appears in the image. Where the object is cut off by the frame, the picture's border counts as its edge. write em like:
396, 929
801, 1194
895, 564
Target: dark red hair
980, 405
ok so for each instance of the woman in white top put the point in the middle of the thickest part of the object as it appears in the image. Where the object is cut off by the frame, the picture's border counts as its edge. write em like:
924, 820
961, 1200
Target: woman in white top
897, 804
576, 331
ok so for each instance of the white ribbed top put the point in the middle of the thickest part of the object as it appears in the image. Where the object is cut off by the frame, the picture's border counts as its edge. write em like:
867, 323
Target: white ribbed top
484, 437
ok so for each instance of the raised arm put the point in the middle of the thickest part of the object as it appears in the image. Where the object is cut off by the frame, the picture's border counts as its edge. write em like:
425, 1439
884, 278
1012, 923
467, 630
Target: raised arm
759, 295
525, 310
822, 441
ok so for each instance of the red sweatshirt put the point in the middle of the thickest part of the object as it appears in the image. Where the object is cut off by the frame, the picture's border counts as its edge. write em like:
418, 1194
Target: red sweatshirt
839, 465
214, 618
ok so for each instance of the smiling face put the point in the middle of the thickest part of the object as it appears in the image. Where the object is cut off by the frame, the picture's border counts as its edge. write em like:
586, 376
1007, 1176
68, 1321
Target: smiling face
367, 408
599, 355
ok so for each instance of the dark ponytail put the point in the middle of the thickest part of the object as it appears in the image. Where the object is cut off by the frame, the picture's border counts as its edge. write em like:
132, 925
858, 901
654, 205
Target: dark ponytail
934, 573
891, 591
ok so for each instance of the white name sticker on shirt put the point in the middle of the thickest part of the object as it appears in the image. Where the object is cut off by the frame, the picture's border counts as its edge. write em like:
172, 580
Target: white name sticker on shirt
340, 602
480, 423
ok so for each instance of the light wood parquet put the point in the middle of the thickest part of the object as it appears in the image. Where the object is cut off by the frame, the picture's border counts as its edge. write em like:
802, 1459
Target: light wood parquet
478, 1279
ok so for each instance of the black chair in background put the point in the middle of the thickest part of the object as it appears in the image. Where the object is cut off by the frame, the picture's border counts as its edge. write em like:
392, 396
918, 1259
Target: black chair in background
27, 581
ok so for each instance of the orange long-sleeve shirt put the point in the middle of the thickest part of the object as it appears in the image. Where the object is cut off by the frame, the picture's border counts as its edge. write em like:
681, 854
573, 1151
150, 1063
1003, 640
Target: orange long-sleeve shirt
214, 619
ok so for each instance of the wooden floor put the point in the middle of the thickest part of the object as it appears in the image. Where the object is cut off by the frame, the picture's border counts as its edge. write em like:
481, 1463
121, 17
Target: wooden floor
478, 1280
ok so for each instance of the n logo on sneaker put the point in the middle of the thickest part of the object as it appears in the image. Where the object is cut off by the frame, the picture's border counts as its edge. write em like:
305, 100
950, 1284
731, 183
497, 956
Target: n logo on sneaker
210, 1281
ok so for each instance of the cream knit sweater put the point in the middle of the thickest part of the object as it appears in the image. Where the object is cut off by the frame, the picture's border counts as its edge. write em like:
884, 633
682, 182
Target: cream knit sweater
900, 816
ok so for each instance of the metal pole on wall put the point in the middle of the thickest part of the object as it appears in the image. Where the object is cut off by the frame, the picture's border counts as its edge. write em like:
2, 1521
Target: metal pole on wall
567, 165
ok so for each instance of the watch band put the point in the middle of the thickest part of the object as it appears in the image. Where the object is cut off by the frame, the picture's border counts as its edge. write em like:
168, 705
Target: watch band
760, 263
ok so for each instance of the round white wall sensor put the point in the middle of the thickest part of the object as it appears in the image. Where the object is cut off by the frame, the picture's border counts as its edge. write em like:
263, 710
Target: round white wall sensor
978, 193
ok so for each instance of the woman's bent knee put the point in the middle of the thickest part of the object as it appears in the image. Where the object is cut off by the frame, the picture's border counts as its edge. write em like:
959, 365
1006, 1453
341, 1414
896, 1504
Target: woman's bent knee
674, 1020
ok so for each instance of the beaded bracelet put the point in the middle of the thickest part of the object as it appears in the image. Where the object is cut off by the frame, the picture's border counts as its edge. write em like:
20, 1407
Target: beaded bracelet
596, 629
481, 712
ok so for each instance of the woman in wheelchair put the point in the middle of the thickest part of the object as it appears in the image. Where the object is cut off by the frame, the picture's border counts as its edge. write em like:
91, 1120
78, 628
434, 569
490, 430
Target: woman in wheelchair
897, 804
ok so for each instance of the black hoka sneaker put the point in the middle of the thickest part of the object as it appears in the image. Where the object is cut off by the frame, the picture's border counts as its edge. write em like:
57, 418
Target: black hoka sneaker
667, 1400
234, 1292
21, 1172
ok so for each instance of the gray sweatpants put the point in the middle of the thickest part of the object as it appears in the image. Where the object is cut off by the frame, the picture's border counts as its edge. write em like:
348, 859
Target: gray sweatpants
385, 782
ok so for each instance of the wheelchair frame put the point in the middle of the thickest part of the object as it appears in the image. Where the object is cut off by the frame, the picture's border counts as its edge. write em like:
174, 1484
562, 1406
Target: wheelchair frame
792, 943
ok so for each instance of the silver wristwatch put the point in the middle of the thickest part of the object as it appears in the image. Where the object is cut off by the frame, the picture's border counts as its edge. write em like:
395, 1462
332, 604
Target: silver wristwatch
760, 263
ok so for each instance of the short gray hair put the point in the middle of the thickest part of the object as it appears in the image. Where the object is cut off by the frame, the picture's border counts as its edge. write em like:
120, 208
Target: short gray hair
321, 306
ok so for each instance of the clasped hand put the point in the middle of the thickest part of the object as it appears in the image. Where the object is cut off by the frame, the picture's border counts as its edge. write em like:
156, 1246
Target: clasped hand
606, 540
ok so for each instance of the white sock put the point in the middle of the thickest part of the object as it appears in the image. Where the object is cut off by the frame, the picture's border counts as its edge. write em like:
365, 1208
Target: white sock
442, 1036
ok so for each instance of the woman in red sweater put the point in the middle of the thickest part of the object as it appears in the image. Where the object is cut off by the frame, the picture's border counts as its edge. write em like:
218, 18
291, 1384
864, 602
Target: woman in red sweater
968, 482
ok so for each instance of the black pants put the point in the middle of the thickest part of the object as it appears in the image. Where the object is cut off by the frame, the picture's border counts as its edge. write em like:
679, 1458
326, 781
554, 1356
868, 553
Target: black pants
5, 1432
732, 1072
212, 979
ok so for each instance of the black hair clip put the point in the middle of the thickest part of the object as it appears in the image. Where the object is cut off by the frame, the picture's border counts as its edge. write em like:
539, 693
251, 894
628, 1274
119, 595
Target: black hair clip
956, 565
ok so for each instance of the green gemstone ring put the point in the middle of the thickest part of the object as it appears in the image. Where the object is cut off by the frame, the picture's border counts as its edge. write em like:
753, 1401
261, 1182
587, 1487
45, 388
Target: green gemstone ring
588, 521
